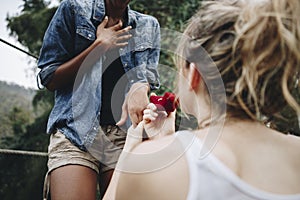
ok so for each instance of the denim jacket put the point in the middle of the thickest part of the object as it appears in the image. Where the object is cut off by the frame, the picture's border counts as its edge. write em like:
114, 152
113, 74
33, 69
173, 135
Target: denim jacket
72, 29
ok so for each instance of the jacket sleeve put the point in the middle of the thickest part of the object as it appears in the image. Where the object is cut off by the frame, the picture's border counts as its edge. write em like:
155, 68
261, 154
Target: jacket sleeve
153, 60
58, 42
147, 52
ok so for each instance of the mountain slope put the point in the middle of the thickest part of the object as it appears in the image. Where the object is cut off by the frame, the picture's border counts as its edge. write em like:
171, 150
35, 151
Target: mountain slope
13, 96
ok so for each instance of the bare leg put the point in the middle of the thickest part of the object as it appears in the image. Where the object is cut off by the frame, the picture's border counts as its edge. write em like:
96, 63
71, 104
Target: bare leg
105, 178
73, 182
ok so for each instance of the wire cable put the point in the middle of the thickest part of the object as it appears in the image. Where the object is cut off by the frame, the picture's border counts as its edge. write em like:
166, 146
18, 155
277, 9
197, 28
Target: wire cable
9, 44
21, 152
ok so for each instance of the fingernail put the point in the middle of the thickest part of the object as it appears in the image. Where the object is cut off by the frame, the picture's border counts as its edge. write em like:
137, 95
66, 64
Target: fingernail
165, 113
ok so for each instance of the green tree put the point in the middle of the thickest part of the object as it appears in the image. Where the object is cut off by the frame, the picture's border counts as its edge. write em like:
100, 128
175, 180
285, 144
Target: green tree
172, 14
19, 119
30, 25
22, 176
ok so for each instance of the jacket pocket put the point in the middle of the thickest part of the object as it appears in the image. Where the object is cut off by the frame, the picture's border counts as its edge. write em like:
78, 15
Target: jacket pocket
85, 32
84, 38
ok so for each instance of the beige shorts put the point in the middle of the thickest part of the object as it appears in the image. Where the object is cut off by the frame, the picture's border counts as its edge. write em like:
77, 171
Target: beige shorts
101, 157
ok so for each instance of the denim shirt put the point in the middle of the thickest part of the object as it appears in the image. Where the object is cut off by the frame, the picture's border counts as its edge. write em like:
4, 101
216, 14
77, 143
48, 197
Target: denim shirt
72, 29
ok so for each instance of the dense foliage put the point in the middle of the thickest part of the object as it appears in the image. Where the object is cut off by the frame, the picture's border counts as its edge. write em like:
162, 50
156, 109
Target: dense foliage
15, 109
30, 25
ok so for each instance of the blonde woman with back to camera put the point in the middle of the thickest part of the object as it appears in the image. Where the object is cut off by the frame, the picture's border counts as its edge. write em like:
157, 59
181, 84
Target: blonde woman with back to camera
255, 46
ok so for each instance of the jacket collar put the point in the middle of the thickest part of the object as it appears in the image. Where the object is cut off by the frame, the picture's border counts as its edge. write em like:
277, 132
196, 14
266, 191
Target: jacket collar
99, 12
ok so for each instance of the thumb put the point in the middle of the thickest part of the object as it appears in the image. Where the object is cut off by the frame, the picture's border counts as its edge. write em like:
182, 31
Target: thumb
104, 22
134, 137
137, 131
123, 117
152, 94
172, 114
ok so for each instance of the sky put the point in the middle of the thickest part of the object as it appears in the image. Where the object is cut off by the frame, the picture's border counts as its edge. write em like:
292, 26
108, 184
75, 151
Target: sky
15, 66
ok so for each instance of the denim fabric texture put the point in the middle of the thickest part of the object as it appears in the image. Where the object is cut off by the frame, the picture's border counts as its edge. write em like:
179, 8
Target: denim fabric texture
72, 29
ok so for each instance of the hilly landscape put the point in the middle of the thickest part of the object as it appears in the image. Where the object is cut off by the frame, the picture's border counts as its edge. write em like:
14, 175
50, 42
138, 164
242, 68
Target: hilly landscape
14, 99
23, 118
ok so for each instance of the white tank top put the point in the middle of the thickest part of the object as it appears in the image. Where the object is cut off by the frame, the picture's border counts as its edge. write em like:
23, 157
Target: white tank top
210, 179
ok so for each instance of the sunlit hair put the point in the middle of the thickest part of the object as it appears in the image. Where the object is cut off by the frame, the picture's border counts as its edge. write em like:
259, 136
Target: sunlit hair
256, 47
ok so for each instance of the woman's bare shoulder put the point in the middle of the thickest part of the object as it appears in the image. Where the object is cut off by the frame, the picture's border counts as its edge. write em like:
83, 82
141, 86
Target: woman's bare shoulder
156, 165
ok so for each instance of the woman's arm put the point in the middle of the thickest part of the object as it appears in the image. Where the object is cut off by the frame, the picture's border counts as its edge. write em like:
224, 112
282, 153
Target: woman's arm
150, 169
133, 139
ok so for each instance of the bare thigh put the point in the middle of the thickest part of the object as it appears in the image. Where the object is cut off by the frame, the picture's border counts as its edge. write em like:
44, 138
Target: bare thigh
73, 182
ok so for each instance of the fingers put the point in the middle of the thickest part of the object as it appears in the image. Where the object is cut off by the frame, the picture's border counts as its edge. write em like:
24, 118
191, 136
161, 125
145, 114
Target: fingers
150, 113
136, 132
123, 116
117, 35
152, 94
124, 30
152, 106
123, 38
134, 119
104, 23
173, 114
118, 26
123, 44
134, 137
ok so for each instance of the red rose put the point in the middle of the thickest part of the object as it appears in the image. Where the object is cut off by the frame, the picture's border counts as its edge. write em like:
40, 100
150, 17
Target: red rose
167, 103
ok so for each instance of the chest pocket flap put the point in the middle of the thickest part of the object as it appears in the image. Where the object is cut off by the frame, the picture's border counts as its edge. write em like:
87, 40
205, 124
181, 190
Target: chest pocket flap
86, 33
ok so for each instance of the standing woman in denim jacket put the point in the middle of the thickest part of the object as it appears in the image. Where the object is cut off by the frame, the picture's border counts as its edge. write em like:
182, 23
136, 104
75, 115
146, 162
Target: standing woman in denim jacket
100, 58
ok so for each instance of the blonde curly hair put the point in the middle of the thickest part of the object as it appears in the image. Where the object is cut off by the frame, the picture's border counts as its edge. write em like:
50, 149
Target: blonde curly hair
256, 47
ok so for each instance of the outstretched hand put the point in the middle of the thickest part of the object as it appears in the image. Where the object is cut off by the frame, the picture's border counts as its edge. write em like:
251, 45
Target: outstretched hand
135, 103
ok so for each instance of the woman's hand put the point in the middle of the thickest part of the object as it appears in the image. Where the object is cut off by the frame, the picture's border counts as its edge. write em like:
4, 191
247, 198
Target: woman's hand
114, 36
134, 104
134, 136
158, 123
